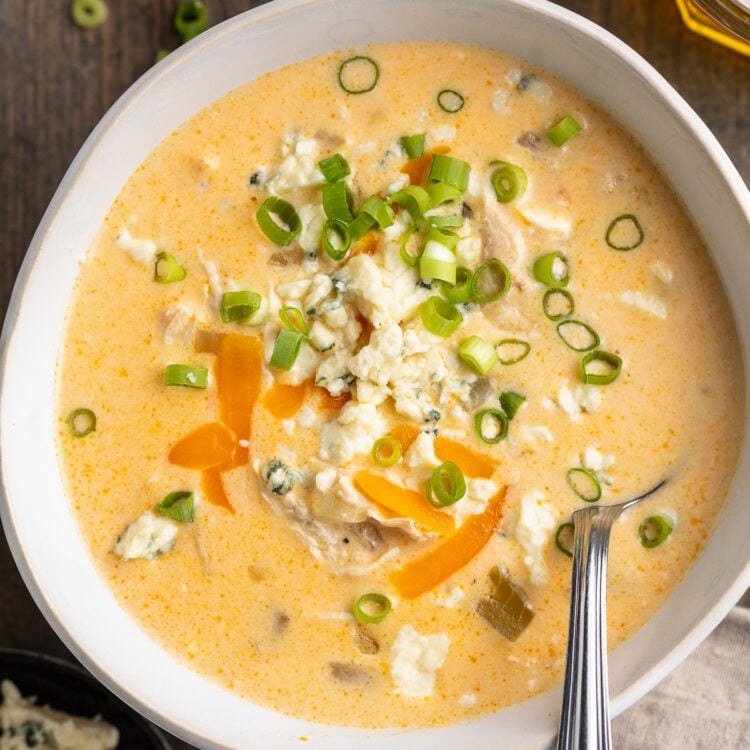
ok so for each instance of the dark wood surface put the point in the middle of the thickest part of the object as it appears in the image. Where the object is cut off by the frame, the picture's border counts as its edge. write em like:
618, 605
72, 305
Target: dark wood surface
57, 81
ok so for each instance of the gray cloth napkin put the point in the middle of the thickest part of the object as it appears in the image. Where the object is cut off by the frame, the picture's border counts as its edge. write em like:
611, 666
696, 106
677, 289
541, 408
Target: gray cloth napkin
704, 704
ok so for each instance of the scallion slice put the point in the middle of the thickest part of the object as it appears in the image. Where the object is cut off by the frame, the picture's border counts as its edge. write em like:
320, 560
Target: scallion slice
491, 425
437, 262
190, 19
294, 319
563, 131
414, 199
334, 167
259, 316
654, 530
624, 233
511, 402
440, 317
577, 335
490, 281
564, 538
386, 451
450, 221
286, 348
167, 269
551, 269
361, 226
81, 422
237, 306
446, 485
584, 483
413, 145
605, 370
512, 351
372, 608
459, 292
336, 238
190, 376
445, 237
378, 210
442, 192
558, 304
88, 14
179, 506
450, 101
449, 170
508, 181
337, 201
403, 251
358, 74
289, 225
476, 353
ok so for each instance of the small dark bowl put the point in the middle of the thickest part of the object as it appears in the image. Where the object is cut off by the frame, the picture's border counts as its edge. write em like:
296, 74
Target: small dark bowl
66, 687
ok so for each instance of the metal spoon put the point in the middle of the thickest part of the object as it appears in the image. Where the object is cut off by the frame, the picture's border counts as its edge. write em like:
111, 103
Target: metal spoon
584, 719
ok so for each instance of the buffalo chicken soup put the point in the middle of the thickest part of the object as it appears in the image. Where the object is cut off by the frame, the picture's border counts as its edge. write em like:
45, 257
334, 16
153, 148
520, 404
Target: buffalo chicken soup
351, 346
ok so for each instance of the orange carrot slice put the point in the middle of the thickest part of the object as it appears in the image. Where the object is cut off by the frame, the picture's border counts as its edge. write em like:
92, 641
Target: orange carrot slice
404, 503
284, 401
450, 555
213, 489
405, 434
471, 464
209, 445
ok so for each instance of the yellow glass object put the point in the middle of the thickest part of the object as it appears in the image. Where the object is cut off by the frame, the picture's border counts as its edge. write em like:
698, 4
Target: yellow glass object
724, 21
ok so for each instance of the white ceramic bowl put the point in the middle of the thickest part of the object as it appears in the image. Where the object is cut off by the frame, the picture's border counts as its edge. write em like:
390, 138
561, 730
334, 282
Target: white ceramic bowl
36, 516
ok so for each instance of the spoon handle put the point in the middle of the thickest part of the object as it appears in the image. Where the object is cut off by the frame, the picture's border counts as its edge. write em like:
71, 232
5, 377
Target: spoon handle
584, 719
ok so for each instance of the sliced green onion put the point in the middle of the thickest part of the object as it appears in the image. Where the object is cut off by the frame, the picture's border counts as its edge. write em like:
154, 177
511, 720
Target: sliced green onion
437, 262
508, 181
563, 131
511, 402
190, 376
178, 506
440, 317
478, 354
406, 256
624, 233
167, 269
564, 538
286, 348
459, 292
445, 237
386, 451
584, 483
81, 422
294, 319
577, 335
358, 74
450, 101
654, 530
446, 485
558, 304
190, 19
379, 210
361, 226
607, 367
88, 14
237, 306
490, 281
414, 199
450, 221
413, 145
551, 269
512, 351
491, 425
442, 192
452, 171
372, 608
337, 239
337, 201
334, 167
290, 226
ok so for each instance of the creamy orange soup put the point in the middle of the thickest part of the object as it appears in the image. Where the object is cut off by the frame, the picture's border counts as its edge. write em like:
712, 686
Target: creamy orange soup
624, 371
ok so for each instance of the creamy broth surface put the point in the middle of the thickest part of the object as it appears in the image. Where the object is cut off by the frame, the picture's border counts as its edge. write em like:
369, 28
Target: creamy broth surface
259, 597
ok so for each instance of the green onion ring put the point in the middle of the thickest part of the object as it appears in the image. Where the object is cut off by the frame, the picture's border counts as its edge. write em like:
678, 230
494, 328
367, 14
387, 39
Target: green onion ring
564, 538
608, 358
386, 451
654, 530
511, 402
410, 260
167, 269
440, 317
512, 344
499, 421
442, 192
460, 292
278, 234
337, 201
551, 298
446, 485
494, 273
361, 226
450, 101
544, 269
294, 319
632, 219
584, 483
189, 376
563, 131
178, 506
190, 19
450, 170
450, 221
414, 199
88, 14
81, 422
477, 354
335, 228
579, 326
413, 145
236, 306
380, 602
349, 67
376, 208
437, 262
508, 181
286, 348
334, 167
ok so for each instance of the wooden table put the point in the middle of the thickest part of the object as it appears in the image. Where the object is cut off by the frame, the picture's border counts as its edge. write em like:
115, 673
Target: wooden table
56, 82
